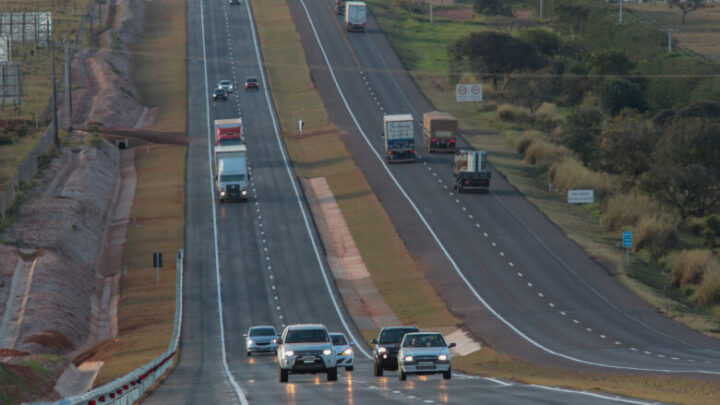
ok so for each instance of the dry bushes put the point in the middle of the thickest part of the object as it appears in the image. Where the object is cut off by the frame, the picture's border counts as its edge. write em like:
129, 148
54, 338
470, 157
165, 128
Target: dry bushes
656, 234
689, 266
543, 153
569, 173
546, 117
527, 138
512, 113
626, 209
708, 292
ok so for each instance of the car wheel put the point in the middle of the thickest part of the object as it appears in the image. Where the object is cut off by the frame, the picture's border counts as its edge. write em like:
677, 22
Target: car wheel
447, 374
349, 368
378, 371
402, 376
283, 375
249, 353
332, 374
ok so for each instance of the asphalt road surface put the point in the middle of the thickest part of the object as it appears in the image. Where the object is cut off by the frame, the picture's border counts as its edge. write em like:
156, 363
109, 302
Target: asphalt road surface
512, 275
260, 262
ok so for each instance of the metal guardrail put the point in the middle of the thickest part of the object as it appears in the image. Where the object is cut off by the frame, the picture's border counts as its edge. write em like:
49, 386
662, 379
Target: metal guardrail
130, 388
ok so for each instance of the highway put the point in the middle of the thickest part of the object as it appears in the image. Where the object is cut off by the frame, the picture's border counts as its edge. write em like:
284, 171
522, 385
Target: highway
514, 277
260, 262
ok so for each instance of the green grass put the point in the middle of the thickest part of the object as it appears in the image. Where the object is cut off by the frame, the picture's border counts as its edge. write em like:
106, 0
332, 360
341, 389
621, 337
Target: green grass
29, 379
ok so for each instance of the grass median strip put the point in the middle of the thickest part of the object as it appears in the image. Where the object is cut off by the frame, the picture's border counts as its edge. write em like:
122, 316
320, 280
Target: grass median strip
320, 152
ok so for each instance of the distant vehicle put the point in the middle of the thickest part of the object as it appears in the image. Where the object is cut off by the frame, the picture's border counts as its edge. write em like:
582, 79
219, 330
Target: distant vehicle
234, 2
355, 15
469, 171
219, 94
226, 85
231, 176
399, 138
261, 339
343, 351
229, 132
439, 131
340, 7
387, 346
306, 349
252, 83
424, 353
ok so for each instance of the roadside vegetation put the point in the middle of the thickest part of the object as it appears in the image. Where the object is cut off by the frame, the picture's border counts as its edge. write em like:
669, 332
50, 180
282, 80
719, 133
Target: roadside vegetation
146, 307
27, 378
321, 153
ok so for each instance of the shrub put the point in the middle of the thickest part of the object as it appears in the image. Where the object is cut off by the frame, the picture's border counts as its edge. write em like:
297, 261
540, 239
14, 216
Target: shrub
546, 118
512, 113
688, 266
626, 209
6, 138
713, 223
527, 138
543, 153
655, 233
708, 292
708, 237
569, 173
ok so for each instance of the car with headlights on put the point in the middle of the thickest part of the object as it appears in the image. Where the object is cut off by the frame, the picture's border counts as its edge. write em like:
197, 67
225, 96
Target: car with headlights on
225, 85
252, 83
261, 339
386, 347
306, 349
219, 94
343, 351
424, 353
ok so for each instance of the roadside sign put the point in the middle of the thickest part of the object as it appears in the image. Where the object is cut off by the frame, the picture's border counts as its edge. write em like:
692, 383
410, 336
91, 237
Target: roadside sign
627, 239
581, 196
468, 92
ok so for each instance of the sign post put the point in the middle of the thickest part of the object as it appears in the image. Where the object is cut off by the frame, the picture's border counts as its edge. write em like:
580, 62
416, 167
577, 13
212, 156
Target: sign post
627, 244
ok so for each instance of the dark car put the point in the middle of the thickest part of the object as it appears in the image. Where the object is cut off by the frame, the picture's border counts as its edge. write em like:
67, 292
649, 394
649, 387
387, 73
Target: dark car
387, 346
234, 2
252, 83
219, 94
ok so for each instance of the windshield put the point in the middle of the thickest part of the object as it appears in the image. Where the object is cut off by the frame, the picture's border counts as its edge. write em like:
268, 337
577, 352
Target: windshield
252, 80
262, 332
307, 336
232, 177
394, 335
225, 83
433, 340
338, 340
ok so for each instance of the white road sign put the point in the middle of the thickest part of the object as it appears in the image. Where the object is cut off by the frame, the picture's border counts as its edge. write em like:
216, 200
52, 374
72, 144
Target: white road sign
468, 92
581, 196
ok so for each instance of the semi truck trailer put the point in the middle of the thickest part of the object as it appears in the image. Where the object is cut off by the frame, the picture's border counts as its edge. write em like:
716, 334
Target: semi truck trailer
399, 138
229, 132
355, 15
470, 172
439, 132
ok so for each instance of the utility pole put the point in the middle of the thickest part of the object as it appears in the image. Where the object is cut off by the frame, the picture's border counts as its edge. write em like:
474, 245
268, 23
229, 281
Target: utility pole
542, 9
670, 31
68, 85
56, 136
431, 12
621, 10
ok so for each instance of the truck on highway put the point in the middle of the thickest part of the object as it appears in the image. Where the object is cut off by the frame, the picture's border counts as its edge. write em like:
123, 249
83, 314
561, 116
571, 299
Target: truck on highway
439, 131
231, 175
229, 132
399, 138
340, 7
355, 15
469, 171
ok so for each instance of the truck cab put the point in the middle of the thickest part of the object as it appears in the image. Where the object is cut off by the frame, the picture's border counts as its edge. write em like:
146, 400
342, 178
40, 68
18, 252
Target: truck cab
399, 138
231, 176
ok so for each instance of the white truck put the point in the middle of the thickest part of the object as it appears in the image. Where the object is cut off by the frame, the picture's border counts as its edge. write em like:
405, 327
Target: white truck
231, 176
355, 15
399, 138
469, 171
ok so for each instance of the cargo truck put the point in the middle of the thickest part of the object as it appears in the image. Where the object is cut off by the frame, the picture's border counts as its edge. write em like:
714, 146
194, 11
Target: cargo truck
439, 131
229, 132
469, 171
231, 176
355, 15
340, 7
399, 138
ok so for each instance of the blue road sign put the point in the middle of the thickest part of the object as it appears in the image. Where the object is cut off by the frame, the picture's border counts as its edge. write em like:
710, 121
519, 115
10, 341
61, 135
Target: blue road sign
627, 239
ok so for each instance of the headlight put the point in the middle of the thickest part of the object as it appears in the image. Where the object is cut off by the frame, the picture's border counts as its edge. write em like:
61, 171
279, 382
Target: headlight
289, 353
222, 192
442, 357
382, 350
274, 340
347, 352
327, 352
244, 192
408, 358
250, 341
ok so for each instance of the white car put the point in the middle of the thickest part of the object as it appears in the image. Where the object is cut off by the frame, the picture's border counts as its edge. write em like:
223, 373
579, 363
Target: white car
261, 339
343, 351
306, 349
424, 353
225, 85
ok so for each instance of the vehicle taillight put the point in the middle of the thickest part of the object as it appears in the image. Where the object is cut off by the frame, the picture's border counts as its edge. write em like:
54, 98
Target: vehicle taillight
466, 181
389, 152
363, 24
433, 140
452, 141
412, 151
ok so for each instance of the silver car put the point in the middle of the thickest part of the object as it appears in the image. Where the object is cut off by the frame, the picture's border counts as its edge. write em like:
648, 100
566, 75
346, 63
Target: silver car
424, 353
343, 351
261, 339
225, 85
306, 349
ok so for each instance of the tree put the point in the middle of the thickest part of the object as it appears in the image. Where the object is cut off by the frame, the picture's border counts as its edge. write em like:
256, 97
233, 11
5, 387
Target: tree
627, 144
582, 132
685, 170
544, 40
491, 7
618, 94
493, 54
686, 6
569, 18
610, 62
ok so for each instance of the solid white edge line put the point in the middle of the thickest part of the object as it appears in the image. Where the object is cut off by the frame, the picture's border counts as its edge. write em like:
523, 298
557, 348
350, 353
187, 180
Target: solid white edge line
592, 394
236, 387
298, 199
444, 250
